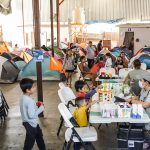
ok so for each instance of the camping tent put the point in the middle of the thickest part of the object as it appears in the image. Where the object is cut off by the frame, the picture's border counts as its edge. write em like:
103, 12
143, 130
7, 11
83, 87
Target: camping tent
8, 71
4, 47
16, 60
30, 70
143, 57
146, 49
24, 55
117, 50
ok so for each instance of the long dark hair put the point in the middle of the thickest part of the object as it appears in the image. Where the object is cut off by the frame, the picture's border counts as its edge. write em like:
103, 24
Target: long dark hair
67, 56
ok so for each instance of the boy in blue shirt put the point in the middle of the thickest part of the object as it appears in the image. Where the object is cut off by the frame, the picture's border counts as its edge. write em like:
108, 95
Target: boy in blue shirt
29, 113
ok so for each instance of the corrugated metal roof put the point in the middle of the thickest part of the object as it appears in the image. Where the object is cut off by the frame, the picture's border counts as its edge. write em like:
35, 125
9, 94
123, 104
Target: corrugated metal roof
95, 10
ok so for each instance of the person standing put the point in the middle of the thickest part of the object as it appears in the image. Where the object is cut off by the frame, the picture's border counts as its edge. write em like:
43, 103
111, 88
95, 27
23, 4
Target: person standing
99, 46
90, 54
68, 66
29, 113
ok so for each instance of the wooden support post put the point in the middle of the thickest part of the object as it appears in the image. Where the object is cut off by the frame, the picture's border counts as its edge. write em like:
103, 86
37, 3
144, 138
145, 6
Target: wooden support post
52, 27
36, 27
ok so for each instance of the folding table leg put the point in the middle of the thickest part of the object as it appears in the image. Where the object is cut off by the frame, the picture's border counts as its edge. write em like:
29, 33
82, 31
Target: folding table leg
99, 126
61, 123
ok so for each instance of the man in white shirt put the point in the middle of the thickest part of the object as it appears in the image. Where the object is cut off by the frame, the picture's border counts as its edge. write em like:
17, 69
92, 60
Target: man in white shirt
90, 54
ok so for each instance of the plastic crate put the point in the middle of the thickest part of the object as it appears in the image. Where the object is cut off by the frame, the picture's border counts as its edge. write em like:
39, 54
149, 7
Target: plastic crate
131, 144
136, 132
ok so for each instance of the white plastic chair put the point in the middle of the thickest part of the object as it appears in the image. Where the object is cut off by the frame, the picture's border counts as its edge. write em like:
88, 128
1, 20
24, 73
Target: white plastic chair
76, 134
108, 71
61, 85
124, 72
67, 97
148, 70
143, 66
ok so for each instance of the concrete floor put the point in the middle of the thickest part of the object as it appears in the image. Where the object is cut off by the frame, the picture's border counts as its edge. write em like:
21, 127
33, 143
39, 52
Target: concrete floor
12, 132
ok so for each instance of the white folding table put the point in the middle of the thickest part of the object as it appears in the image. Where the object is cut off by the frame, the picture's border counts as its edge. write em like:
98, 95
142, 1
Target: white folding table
95, 117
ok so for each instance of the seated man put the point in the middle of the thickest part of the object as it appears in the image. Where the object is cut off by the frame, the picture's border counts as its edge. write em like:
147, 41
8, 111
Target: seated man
134, 76
86, 71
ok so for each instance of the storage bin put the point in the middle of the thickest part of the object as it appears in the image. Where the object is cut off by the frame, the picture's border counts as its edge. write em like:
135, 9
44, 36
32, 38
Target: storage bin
136, 132
131, 144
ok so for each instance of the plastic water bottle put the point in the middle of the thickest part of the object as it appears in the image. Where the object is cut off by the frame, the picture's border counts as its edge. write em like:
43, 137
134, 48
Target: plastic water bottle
140, 111
134, 110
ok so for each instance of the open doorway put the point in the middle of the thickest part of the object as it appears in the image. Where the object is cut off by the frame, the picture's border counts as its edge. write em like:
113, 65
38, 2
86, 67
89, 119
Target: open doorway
129, 41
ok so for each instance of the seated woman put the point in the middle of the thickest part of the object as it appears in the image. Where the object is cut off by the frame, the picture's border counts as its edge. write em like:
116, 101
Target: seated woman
118, 64
144, 97
124, 59
86, 71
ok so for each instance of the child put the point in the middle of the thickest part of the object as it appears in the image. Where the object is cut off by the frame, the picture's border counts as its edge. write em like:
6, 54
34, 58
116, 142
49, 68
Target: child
108, 63
80, 114
29, 113
81, 89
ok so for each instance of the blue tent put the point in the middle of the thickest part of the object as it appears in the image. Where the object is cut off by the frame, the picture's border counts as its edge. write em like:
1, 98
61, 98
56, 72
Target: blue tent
30, 69
145, 58
117, 50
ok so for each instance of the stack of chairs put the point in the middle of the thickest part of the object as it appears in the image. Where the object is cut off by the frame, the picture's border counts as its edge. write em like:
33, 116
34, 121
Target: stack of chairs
3, 107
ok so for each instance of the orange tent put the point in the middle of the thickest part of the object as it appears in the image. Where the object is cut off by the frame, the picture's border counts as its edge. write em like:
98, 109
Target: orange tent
55, 65
4, 48
83, 45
